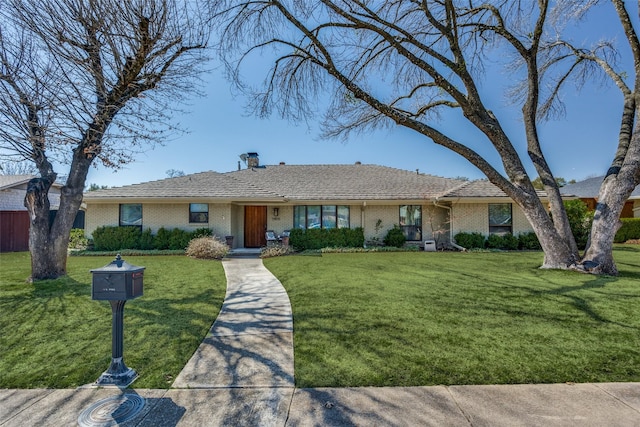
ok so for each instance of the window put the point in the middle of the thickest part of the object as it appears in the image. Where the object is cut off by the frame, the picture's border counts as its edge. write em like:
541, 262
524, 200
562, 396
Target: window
500, 218
343, 217
313, 216
411, 221
299, 217
329, 216
199, 212
131, 215
326, 216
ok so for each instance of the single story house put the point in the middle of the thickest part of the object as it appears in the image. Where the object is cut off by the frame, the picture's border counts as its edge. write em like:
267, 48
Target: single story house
14, 219
588, 191
248, 202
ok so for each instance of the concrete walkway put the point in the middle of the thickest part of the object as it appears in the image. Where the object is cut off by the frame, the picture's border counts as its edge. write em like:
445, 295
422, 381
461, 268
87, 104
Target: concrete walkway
242, 375
251, 341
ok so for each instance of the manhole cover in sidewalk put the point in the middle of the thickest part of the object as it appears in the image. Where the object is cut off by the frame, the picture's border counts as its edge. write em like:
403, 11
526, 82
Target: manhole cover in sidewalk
111, 411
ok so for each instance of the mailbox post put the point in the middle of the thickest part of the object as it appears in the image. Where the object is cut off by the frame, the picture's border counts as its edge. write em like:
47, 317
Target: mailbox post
117, 283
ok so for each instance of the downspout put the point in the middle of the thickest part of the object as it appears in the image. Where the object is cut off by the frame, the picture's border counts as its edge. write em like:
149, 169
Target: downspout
362, 219
451, 242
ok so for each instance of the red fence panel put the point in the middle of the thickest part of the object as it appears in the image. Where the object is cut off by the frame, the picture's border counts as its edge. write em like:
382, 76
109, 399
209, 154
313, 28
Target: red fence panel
14, 231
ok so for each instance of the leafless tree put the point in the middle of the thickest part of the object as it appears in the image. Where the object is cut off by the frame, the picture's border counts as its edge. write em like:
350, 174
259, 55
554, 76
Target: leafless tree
577, 64
87, 80
17, 168
405, 62
172, 173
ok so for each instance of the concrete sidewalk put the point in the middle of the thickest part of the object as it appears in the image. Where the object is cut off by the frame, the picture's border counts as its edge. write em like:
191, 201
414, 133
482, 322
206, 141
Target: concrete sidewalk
611, 404
242, 375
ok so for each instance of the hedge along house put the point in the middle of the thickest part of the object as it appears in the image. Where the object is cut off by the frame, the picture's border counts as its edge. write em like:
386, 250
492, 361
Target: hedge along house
248, 202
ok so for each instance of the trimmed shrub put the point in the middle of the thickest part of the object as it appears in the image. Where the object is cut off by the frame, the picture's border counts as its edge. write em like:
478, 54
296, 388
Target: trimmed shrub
207, 248
354, 237
116, 238
505, 242
529, 241
630, 230
202, 232
336, 238
179, 239
473, 240
146, 240
318, 238
162, 239
77, 239
395, 237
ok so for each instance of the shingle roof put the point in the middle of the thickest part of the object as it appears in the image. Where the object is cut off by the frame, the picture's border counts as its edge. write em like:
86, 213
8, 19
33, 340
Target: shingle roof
589, 188
480, 188
345, 182
206, 185
8, 181
291, 182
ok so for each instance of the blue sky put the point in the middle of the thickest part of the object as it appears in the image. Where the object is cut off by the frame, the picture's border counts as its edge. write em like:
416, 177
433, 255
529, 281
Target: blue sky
577, 146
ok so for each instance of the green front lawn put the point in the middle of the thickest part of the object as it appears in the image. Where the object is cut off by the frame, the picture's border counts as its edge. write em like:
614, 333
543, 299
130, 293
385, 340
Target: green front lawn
402, 319
382, 319
53, 335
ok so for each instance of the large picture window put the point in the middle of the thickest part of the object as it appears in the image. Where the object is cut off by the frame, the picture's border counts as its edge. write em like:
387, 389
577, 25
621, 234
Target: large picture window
325, 216
199, 212
411, 221
500, 218
131, 215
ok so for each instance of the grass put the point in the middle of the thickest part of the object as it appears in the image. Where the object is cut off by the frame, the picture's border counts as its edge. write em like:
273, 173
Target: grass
53, 335
403, 319
363, 319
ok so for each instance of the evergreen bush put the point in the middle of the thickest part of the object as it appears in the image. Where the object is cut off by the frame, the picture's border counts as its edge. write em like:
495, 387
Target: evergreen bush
473, 240
318, 238
162, 239
630, 230
115, 238
146, 240
109, 238
529, 241
505, 242
395, 237
179, 239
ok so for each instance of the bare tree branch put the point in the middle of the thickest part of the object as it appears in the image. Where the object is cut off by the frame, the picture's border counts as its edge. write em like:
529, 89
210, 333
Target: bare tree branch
86, 80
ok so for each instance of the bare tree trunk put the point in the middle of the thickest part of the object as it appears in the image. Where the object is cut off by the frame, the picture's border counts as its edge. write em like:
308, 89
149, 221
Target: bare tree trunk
67, 72
558, 253
598, 257
614, 192
43, 266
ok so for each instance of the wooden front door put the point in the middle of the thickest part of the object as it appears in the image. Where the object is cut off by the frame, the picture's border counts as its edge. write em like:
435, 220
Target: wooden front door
255, 225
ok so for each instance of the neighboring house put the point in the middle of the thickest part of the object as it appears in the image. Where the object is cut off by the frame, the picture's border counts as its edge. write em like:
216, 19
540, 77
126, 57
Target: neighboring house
247, 202
588, 191
14, 219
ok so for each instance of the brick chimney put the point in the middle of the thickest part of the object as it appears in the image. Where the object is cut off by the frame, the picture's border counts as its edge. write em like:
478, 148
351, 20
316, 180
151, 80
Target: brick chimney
252, 160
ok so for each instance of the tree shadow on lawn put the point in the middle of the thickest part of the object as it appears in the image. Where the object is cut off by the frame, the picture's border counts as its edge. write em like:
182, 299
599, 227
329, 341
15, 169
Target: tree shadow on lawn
156, 329
250, 344
584, 305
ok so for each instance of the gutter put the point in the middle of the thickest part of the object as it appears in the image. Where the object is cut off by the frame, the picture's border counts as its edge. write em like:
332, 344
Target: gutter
451, 242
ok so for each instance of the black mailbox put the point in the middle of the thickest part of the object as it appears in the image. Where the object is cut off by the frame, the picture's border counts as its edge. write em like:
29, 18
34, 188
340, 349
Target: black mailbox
118, 280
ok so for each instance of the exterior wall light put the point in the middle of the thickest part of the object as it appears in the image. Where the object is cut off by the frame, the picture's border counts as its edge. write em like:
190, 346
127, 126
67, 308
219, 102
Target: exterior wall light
276, 211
